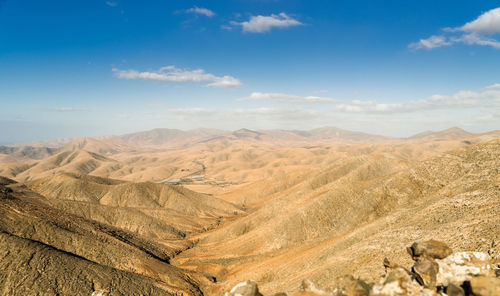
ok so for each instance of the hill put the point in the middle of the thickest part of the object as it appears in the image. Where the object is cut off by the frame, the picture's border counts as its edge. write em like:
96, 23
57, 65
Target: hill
105, 147
60, 253
275, 206
78, 161
152, 210
447, 134
29, 151
169, 137
343, 222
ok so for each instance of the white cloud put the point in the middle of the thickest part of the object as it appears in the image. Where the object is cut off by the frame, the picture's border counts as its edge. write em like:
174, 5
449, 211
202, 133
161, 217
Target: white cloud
192, 111
430, 43
476, 110
235, 115
224, 82
487, 23
261, 23
257, 96
489, 97
111, 3
200, 10
67, 109
477, 39
173, 74
472, 33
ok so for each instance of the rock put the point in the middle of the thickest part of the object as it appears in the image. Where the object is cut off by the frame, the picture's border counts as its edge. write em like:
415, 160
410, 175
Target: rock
431, 248
100, 293
308, 286
388, 265
399, 283
492, 249
462, 266
396, 275
350, 286
454, 290
425, 271
248, 288
485, 286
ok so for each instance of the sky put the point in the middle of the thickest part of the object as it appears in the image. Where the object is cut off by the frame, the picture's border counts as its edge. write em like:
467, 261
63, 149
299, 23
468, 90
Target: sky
396, 68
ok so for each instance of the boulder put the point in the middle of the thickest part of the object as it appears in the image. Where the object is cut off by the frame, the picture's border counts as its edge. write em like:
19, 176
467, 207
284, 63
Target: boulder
431, 248
454, 290
485, 286
248, 288
399, 283
309, 287
425, 271
350, 286
462, 266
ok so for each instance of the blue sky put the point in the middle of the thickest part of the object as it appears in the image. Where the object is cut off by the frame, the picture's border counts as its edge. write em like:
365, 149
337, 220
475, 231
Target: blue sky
87, 68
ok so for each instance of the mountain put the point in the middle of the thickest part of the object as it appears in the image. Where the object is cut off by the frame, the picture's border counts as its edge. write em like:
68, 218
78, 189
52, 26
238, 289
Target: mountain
333, 133
164, 136
453, 133
45, 249
339, 222
78, 161
80, 187
105, 147
170, 212
30, 152
275, 206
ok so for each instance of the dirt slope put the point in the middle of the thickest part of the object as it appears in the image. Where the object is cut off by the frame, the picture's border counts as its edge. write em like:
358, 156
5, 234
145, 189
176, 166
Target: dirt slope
347, 224
51, 246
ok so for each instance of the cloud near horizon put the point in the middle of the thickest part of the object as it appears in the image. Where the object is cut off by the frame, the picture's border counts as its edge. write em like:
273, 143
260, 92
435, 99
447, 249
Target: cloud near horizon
472, 33
67, 109
286, 98
489, 97
262, 23
174, 74
261, 115
475, 110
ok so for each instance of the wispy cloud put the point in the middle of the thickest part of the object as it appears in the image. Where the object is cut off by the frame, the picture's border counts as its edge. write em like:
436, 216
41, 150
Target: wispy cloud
67, 109
234, 115
200, 10
262, 23
489, 97
111, 3
430, 43
476, 110
173, 74
286, 98
472, 33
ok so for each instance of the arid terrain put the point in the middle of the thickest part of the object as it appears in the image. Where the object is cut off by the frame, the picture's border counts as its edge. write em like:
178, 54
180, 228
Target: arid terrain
171, 212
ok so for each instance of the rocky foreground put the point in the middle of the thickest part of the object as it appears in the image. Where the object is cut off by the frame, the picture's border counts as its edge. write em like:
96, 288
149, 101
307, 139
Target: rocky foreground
436, 271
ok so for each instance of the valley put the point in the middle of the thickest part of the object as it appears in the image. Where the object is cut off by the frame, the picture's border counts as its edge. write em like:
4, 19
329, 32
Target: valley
172, 212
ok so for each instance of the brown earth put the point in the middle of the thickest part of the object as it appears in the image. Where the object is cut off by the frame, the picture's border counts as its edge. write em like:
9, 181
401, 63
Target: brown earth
270, 205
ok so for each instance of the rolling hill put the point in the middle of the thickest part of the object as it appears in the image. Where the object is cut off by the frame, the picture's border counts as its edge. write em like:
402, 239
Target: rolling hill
200, 211
60, 253
351, 217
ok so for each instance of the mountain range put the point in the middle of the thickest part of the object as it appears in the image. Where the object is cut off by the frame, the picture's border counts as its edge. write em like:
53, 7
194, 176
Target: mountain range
170, 212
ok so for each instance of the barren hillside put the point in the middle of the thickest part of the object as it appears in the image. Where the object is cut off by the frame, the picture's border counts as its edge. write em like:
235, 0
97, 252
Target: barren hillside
274, 206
